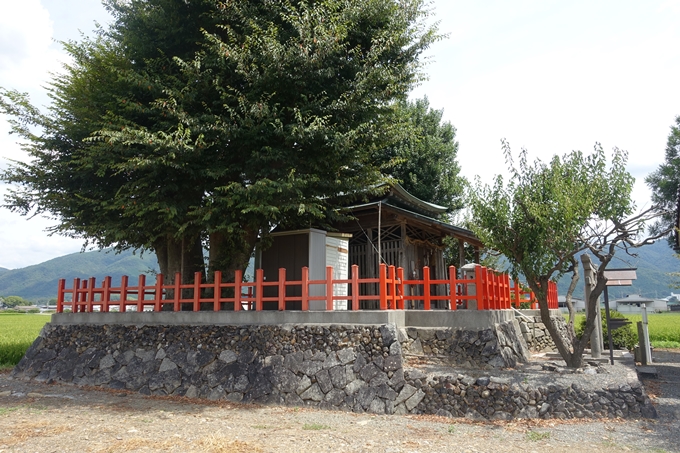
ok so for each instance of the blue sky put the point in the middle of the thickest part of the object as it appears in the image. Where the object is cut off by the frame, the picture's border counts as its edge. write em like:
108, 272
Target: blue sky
549, 76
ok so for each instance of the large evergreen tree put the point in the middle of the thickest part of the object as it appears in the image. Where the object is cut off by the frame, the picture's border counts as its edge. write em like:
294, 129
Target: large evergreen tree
207, 122
665, 182
424, 159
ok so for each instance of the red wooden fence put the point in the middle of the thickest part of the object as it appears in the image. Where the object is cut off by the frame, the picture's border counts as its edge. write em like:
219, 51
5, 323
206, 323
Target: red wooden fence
489, 289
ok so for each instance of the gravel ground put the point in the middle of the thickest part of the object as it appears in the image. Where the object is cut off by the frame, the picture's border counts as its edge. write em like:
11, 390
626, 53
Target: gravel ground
62, 418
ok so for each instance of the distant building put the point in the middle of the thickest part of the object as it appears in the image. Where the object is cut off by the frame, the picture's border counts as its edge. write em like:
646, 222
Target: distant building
633, 302
579, 304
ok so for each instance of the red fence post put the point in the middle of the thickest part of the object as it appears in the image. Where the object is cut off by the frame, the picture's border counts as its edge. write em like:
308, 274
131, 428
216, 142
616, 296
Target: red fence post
141, 284
329, 288
238, 280
123, 293
197, 291
178, 291
217, 290
106, 294
426, 288
282, 289
259, 278
392, 276
60, 295
400, 288
382, 288
355, 287
90, 295
452, 288
158, 293
305, 288
76, 295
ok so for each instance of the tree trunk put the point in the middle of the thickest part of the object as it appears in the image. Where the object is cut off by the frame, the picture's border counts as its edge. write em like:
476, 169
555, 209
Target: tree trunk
229, 253
184, 256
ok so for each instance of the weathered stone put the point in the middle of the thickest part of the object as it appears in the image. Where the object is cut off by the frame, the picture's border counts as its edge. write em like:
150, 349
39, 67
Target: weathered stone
392, 363
406, 392
338, 376
355, 386
293, 361
368, 371
310, 368
303, 385
365, 396
324, 380
414, 400
335, 397
346, 356
283, 379
107, 362
167, 365
313, 393
359, 363
388, 333
235, 397
331, 361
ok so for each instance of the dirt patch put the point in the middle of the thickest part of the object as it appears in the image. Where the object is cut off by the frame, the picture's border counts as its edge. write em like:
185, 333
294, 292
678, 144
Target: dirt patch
64, 418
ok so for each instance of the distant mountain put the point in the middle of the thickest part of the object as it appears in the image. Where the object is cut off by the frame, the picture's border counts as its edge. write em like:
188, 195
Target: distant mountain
3, 270
653, 263
38, 283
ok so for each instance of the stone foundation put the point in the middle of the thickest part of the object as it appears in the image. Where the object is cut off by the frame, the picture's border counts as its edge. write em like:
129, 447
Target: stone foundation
536, 334
497, 347
357, 368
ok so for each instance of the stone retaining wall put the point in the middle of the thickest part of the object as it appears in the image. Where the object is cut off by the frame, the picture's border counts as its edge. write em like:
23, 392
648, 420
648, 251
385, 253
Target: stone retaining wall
497, 347
339, 367
536, 334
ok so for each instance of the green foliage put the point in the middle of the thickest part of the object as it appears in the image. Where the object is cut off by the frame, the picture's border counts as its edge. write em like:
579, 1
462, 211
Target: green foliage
538, 219
623, 338
549, 212
17, 333
664, 328
208, 122
14, 301
664, 182
424, 158
535, 436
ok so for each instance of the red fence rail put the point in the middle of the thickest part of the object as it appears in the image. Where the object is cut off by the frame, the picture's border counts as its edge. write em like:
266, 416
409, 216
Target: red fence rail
485, 290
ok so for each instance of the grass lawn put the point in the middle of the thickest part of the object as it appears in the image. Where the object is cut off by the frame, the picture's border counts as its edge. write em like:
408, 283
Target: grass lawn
17, 333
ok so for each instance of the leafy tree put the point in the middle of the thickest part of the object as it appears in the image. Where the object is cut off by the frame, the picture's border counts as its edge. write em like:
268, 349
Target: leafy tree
665, 182
206, 123
424, 158
550, 212
14, 301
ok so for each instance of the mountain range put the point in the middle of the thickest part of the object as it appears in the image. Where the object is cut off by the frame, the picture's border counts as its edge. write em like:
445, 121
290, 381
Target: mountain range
38, 283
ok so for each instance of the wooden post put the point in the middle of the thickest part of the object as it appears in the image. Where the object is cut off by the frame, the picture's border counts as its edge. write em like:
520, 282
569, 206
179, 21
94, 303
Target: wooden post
305, 288
259, 278
106, 296
123, 293
141, 284
197, 291
355, 287
392, 275
178, 291
217, 290
60, 295
382, 288
90, 295
158, 293
452, 288
238, 279
76, 295
426, 288
282, 289
329, 288
400, 288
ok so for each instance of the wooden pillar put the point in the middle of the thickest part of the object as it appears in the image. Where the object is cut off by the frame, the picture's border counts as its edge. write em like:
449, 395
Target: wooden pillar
461, 253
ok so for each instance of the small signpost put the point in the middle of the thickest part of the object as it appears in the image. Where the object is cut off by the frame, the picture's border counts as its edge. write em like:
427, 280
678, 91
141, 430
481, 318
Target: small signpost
617, 277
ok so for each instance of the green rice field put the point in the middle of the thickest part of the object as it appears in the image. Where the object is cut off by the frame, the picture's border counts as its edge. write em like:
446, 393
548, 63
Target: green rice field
17, 332
664, 328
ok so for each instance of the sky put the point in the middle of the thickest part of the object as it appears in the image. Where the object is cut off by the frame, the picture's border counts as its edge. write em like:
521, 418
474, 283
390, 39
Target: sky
547, 76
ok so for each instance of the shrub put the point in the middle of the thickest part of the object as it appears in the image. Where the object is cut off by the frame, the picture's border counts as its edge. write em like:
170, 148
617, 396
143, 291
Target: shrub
624, 337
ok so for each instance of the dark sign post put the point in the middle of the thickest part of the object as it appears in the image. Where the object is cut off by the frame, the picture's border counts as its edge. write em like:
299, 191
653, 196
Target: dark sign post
616, 277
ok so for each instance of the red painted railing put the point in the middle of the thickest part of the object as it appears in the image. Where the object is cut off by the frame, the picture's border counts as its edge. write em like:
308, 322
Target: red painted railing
487, 289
